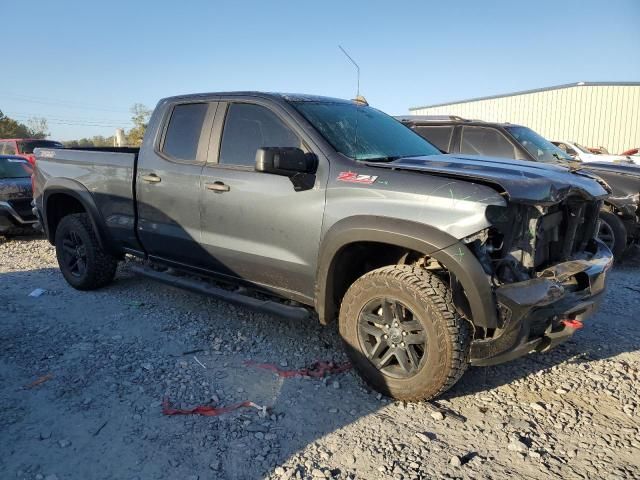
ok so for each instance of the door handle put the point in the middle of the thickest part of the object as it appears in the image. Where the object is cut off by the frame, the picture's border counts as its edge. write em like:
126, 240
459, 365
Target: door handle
151, 178
217, 187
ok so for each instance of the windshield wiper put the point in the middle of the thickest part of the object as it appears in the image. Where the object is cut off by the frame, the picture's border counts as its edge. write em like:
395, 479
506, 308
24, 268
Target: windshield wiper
573, 165
390, 158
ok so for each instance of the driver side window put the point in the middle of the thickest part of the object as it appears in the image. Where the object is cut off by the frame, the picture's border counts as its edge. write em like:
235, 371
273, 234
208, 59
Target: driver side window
249, 127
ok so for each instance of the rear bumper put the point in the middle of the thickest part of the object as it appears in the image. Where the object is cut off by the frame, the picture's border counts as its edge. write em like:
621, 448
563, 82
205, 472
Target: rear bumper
10, 219
541, 313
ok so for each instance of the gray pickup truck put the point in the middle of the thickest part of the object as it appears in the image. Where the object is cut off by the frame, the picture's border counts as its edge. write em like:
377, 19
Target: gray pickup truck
292, 203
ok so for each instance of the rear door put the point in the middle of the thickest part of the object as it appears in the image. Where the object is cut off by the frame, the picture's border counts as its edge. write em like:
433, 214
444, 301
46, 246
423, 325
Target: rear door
255, 226
439, 135
486, 141
168, 182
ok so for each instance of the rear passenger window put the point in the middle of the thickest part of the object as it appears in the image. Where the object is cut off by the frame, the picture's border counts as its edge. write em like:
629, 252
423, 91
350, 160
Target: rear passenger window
486, 141
439, 136
184, 130
248, 127
8, 148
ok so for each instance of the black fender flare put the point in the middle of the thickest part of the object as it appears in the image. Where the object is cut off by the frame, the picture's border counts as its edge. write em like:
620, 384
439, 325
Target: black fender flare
428, 240
80, 193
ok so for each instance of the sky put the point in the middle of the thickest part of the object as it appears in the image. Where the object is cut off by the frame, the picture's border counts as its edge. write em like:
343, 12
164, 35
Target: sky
83, 64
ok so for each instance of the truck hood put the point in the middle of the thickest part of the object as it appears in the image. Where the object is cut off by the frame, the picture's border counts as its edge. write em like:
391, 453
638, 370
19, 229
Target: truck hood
14, 188
622, 168
522, 181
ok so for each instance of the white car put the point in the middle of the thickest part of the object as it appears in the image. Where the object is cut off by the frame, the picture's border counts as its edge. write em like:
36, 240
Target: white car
583, 154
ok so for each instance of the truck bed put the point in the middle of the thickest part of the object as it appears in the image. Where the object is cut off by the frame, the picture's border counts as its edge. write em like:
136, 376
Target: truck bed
108, 173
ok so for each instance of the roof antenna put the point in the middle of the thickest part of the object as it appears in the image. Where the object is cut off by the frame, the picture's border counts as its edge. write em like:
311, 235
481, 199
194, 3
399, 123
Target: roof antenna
359, 99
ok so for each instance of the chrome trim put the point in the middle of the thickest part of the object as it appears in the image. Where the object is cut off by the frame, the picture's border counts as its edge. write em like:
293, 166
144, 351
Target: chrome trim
7, 206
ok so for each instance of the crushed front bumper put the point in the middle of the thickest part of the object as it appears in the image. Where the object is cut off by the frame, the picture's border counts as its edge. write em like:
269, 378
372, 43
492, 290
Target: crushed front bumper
540, 313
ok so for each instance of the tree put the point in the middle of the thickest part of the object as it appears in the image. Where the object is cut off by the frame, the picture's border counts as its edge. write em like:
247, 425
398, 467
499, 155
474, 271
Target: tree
140, 118
95, 141
9, 128
39, 127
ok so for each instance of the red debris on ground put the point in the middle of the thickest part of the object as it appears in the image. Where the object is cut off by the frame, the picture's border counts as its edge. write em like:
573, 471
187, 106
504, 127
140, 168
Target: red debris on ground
39, 381
576, 324
205, 410
318, 369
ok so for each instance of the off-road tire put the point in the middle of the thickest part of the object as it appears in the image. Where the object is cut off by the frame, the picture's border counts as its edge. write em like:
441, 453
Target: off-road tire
618, 230
100, 266
448, 335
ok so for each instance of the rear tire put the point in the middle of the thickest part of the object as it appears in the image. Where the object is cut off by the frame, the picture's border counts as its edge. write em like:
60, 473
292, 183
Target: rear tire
425, 333
612, 232
83, 263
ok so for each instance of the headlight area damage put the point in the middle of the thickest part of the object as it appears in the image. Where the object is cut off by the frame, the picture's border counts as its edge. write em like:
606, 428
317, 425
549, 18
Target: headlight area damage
545, 268
547, 272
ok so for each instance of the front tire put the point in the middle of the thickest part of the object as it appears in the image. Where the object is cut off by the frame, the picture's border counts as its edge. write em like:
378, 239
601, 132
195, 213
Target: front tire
612, 232
83, 263
403, 334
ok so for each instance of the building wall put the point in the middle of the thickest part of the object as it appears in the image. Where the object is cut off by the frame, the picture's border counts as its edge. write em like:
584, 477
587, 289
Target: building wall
593, 115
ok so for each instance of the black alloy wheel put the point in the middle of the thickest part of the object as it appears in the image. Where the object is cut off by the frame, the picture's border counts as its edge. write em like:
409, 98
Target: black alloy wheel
74, 254
392, 338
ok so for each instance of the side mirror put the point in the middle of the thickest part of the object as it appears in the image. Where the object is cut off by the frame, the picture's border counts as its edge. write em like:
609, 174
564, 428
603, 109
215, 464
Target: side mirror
286, 161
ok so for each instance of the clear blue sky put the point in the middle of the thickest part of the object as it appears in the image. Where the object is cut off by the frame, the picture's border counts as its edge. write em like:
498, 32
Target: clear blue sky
79, 61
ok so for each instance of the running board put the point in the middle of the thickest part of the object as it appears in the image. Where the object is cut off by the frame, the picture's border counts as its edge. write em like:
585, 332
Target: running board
199, 286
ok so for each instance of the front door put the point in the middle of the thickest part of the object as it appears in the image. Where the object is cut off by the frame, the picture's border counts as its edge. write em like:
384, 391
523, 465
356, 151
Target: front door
168, 184
255, 225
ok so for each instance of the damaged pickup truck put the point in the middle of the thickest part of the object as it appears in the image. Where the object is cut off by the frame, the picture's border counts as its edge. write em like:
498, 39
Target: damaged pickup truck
290, 203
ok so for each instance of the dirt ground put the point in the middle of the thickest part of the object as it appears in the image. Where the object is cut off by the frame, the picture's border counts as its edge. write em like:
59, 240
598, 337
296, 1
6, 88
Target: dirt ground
83, 376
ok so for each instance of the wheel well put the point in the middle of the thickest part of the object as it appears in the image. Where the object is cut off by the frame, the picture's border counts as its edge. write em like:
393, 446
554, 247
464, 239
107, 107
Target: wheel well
59, 205
356, 259
608, 207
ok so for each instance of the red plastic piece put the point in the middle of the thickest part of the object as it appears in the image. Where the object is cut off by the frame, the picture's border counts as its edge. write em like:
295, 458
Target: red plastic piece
575, 324
39, 381
205, 410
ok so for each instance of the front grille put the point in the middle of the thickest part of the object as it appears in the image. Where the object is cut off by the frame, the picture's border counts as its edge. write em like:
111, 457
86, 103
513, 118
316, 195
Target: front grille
22, 207
565, 230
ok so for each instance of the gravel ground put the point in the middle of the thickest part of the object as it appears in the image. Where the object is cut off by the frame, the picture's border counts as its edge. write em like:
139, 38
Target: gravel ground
106, 359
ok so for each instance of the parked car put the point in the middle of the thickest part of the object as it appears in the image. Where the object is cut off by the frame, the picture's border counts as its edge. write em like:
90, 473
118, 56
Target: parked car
620, 214
621, 217
631, 153
584, 154
16, 216
599, 150
24, 147
429, 262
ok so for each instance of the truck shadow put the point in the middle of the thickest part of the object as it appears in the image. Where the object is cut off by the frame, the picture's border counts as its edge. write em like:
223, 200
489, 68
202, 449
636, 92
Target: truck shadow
21, 238
241, 445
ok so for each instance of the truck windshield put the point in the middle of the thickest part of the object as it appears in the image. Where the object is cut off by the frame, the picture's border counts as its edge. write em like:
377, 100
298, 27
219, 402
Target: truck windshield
28, 146
541, 148
364, 133
14, 168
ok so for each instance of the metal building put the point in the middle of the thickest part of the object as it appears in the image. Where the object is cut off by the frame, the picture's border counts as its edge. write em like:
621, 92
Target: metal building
593, 114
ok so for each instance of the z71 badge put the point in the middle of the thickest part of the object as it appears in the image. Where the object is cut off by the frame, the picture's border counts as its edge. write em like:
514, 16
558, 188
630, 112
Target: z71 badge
353, 177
